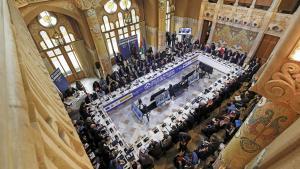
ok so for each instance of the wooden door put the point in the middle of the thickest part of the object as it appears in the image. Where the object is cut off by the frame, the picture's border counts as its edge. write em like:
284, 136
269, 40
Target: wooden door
266, 47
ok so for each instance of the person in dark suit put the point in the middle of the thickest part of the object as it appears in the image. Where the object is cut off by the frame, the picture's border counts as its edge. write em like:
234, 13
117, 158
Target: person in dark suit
207, 49
171, 91
213, 46
168, 38
242, 59
173, 39
79, 85
184, 139
69, 92
155, 149
119, 60
234, 58
144, 109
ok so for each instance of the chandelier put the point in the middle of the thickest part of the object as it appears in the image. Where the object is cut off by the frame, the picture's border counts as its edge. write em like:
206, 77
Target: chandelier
125, 5
57, 36
127, 17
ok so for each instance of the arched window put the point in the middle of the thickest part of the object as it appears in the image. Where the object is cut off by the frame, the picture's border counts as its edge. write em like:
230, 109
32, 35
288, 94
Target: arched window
110, 7
125, 4
119, 29
47, 19
122, 30
110, 36
60, 52
65, 34
169, 13
135, 27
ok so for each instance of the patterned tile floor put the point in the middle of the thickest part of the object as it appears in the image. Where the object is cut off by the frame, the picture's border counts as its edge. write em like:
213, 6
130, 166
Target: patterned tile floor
132, 129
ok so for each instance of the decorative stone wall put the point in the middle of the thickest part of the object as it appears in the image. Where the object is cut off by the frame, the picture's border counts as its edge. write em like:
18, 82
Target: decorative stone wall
36, 131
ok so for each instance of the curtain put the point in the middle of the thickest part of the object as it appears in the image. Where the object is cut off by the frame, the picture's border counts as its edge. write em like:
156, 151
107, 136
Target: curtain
85, 58
35, 129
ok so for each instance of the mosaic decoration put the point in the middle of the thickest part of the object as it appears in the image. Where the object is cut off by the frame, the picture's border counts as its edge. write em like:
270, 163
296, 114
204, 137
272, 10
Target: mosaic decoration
233, 37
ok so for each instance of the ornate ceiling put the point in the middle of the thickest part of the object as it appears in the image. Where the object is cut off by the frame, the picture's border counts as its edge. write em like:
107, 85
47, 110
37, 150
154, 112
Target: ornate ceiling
82, 4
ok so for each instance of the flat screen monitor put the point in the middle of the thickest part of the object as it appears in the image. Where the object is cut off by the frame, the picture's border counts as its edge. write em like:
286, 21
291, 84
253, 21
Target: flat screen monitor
185, 31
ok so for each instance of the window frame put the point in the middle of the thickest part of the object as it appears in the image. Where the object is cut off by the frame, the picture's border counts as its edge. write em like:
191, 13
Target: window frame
120, 32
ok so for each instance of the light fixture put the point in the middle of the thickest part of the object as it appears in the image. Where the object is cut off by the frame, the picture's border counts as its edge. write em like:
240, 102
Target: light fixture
57, 36
127, 17
125, 5
50, 22
295, 55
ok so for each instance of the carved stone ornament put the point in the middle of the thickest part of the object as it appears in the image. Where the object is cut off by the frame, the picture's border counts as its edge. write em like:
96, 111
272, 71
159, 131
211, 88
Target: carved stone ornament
22, 3
162, 4
96, 28
284, 86
91, 12
87, 4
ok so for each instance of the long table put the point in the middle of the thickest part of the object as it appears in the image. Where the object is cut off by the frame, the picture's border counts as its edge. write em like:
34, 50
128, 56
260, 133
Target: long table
101, 117
147, 82
217, 63
234, 72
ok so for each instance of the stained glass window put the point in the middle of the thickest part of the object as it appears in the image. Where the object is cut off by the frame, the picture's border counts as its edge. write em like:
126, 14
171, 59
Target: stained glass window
47, 19
125, 4
110, 7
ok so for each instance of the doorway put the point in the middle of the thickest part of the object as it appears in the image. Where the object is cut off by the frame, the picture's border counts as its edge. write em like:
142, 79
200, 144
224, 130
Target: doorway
205, 31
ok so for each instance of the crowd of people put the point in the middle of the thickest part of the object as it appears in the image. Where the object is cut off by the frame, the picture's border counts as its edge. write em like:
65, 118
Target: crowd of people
95, 135
135, 66
225, 53
220, 129
227, 123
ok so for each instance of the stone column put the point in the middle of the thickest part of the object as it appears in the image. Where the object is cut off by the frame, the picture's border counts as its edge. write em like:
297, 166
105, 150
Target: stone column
214, 21
200, 19
283, 152
263, 125
99, 42
162, 5
172, 30
279, 83
151, 23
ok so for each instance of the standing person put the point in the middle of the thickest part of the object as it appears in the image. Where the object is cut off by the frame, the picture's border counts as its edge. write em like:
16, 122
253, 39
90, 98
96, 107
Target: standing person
242, 59
79, 86
173, 39
171, 91
143, 109
103, 85
184, 139
146, 160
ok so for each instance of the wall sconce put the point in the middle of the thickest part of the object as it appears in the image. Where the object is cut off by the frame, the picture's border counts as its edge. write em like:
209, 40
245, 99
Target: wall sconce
295, 56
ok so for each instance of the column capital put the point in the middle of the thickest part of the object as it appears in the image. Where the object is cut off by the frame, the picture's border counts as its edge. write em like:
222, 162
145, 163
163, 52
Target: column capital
279, 81
253, 4
274, 6
236, 3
